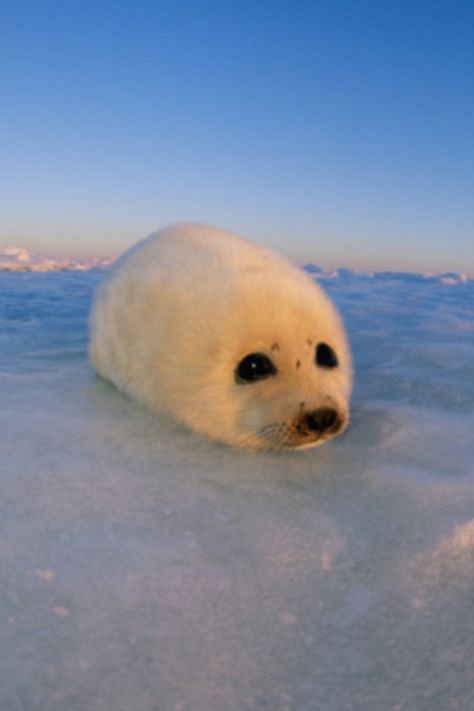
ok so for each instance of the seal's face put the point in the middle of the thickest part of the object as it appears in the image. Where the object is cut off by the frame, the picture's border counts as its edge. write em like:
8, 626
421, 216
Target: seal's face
293, 397
305, 426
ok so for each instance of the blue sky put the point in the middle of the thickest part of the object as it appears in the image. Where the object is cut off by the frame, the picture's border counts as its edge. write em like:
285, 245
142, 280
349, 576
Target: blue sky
337, 132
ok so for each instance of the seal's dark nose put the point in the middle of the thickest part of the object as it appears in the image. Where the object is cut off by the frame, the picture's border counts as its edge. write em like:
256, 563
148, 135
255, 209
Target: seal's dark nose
322, 420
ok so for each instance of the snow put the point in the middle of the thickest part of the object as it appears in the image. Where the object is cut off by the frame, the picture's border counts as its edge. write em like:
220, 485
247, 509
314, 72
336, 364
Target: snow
144, 568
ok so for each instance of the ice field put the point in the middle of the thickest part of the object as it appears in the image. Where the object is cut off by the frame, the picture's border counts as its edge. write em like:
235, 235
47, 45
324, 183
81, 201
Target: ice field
144, 568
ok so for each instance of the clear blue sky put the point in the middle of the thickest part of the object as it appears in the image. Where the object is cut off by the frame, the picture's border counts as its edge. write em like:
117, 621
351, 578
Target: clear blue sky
337, 132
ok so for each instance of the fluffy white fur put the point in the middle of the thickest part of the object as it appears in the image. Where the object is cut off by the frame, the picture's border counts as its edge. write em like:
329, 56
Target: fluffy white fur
178, 312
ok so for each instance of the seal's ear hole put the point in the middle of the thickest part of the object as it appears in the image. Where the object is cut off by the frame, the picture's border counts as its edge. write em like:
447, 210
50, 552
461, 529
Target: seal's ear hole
326, 356
255, 366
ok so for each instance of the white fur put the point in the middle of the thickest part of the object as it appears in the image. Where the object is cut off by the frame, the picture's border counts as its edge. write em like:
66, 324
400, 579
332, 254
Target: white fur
180, 309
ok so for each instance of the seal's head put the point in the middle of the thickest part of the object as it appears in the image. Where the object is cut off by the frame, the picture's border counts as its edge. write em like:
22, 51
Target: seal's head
266, 365
226, 337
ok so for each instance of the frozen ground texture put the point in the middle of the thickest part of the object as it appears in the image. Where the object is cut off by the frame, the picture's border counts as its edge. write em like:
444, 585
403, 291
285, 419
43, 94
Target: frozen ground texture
146, 569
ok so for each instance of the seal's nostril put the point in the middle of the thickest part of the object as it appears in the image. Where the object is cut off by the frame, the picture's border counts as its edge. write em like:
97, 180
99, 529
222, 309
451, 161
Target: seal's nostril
321, 420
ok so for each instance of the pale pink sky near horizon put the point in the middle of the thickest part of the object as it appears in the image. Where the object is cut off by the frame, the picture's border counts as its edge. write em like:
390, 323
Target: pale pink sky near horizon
316, 251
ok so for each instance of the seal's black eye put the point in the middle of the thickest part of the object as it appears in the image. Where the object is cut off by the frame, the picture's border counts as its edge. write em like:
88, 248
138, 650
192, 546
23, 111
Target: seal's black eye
254, 366
325, 356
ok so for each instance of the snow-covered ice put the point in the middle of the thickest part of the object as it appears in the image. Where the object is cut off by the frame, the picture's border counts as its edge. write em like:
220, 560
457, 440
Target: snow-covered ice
146, 569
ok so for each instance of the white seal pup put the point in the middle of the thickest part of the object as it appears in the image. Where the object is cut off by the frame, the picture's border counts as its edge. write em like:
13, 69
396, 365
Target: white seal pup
226, 337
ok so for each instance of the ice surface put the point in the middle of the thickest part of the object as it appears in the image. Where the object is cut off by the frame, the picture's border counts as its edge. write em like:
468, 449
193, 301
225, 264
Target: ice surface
146, 569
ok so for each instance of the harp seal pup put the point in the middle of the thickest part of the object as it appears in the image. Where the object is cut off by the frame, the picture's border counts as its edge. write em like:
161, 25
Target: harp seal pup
226, 337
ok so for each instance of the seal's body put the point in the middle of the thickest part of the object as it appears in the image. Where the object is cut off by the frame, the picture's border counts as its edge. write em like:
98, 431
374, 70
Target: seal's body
225, 336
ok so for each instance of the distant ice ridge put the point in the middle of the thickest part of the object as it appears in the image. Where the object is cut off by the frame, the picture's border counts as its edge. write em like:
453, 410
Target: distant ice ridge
344, 273
15, 259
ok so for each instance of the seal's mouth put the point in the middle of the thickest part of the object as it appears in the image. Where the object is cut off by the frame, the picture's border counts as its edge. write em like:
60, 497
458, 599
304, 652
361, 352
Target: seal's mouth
308, 431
